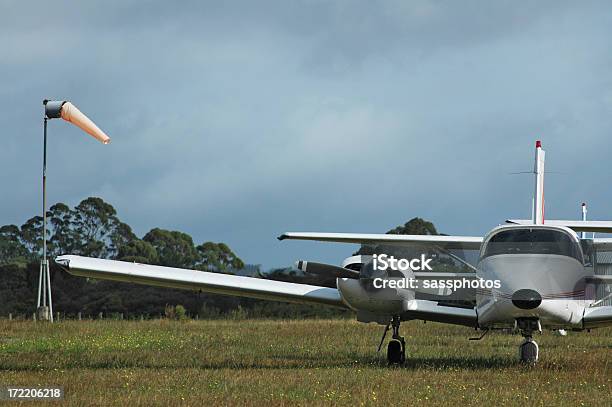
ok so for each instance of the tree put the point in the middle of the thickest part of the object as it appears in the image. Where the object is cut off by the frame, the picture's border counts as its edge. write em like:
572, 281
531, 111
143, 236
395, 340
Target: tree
11, 247
92, 229
415, 226
17, 290
100, 233
64, 239
121, 236
174, 249
217, 257
138, 251
32, 236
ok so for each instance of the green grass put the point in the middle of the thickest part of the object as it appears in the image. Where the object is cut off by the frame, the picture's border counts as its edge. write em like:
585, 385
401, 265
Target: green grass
262, 362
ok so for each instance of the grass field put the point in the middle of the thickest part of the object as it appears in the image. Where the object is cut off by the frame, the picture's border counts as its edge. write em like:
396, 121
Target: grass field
265, 362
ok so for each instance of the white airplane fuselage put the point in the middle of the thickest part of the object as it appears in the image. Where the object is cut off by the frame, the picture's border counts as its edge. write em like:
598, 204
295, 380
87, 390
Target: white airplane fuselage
539, 279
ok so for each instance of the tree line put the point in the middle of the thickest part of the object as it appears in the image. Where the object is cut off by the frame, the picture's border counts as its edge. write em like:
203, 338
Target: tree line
92, 228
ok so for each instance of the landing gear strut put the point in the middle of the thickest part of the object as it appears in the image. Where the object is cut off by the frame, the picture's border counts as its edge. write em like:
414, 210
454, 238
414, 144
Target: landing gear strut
396, 350
528, 350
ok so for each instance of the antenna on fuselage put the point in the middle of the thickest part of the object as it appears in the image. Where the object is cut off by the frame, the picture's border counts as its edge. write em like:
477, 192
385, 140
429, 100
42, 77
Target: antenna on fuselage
538, 197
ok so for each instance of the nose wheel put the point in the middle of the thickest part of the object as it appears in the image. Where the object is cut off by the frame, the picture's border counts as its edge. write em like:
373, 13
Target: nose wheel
396, 352
396, 349
528, 350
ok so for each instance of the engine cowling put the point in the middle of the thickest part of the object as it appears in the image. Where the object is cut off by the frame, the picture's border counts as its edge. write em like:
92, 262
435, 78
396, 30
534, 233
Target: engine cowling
366, 293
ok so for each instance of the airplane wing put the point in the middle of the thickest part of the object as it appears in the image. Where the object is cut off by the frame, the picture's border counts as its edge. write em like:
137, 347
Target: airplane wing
596, 317
602, 243
601, 226
426, 310
600, 278
446, 242
242, 286
199, 281
435, 311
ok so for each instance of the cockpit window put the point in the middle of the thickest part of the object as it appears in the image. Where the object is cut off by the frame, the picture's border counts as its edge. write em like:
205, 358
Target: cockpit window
532, 241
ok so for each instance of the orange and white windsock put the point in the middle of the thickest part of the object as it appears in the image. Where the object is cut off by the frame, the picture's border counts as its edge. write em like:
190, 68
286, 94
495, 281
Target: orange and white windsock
71, 114
538, 199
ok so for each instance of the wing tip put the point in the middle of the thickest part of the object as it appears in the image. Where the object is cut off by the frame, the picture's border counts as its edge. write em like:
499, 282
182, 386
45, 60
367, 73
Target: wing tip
282, 237
63, 261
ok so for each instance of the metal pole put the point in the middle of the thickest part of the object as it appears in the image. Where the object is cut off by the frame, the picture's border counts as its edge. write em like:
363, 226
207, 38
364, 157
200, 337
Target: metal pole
44, 284
45, 195
40, 271
44, 278
49, 288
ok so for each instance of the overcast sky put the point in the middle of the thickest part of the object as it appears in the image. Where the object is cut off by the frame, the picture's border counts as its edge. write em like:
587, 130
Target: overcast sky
237, 121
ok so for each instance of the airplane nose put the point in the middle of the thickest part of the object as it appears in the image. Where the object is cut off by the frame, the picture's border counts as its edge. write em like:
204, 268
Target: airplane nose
526, 299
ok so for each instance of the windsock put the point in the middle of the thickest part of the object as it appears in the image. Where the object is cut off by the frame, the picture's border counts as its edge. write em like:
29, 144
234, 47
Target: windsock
70, 113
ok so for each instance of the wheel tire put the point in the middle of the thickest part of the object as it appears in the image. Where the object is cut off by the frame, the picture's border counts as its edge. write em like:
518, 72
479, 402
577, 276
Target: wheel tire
528, 352
395, 355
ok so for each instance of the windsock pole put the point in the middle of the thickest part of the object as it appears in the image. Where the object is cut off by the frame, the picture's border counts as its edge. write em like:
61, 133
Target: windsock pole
44, 303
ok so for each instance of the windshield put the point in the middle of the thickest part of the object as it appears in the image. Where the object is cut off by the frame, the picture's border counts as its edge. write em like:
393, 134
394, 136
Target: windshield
532, 241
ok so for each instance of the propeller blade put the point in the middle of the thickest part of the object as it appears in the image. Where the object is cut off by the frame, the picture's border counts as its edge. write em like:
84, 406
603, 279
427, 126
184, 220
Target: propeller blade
326, 269
382, 340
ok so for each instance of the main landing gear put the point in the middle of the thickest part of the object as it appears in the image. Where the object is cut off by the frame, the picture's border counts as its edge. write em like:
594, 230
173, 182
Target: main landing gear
396, 350
528, 350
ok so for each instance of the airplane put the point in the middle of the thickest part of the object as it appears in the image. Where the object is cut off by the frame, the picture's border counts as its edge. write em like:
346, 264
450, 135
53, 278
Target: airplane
545, 276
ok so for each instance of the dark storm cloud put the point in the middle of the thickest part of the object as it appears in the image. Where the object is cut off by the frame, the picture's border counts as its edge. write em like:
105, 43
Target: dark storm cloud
236, 121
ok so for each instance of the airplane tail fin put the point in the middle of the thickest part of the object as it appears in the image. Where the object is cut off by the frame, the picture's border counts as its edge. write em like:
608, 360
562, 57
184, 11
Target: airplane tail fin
584, 218
538, 199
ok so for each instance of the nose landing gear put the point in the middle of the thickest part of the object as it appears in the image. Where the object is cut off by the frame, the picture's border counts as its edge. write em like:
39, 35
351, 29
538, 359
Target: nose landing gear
396, 349
528, 350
